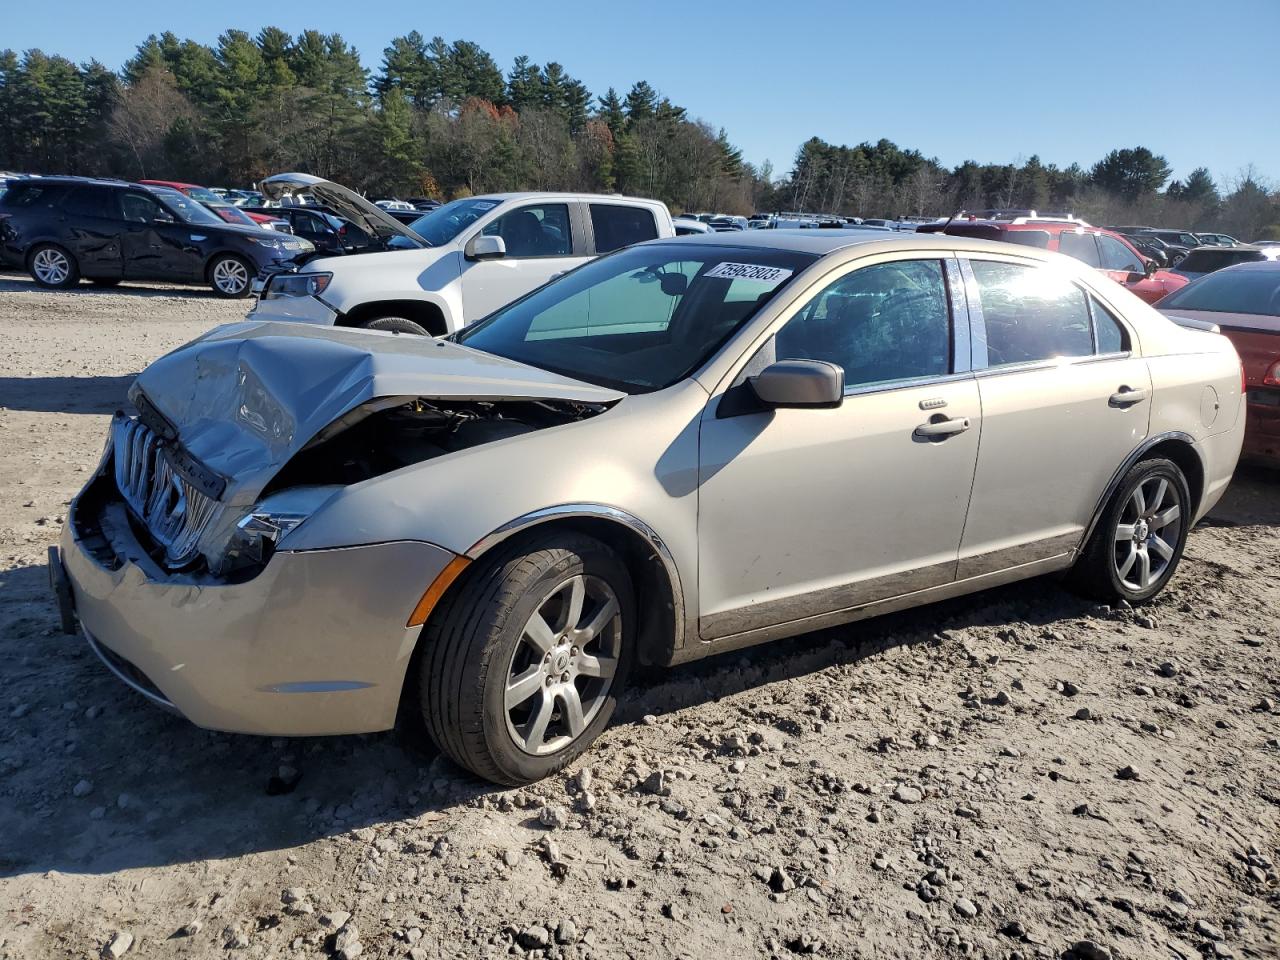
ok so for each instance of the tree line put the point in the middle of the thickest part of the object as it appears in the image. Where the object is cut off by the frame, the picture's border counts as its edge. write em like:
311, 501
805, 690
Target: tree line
442, 119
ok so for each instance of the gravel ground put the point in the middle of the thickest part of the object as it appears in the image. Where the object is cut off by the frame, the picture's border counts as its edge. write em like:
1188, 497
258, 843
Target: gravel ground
1014, 774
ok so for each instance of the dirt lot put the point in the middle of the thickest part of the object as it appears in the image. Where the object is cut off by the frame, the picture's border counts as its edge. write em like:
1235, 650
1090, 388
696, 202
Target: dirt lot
1016, 774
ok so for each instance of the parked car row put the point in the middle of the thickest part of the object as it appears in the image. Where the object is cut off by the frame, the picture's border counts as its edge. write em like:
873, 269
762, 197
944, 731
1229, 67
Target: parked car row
64, 229
1104, 250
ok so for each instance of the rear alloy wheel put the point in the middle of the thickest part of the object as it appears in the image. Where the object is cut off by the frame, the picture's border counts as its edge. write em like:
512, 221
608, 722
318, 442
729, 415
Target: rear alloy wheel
53, 267
1139, 540
523, 661
230, 277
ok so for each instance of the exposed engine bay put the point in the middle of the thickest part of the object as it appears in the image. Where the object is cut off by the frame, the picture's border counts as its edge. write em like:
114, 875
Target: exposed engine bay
393, 432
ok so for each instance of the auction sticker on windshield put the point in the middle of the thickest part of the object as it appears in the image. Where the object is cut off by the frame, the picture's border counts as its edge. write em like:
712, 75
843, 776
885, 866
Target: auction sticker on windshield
748, 271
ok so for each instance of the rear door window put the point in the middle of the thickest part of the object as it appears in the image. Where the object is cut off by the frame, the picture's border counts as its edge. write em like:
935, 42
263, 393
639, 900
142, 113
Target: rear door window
1031, 314
537, 231
617, 226
1079, 245
89, 201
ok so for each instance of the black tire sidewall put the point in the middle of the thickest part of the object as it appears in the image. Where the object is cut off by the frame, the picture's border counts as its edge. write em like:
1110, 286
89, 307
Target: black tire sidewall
213, 264
396, 325
1140, 473
73, 276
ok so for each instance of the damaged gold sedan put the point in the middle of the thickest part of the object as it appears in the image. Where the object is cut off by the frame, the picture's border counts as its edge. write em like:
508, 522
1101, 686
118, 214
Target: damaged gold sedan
684, 447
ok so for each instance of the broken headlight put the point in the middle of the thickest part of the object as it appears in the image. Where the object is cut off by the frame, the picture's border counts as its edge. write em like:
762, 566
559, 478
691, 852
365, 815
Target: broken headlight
296, 285
260, 531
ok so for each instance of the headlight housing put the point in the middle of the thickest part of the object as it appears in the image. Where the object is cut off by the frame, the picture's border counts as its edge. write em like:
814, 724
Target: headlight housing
272, 518
296, 285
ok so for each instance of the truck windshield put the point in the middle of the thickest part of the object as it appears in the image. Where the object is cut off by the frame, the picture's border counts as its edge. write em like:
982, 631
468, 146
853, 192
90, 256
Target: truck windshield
444, 223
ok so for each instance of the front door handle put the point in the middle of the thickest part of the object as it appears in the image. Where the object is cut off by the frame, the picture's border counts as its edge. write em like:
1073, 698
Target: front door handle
942, 428
1127, 396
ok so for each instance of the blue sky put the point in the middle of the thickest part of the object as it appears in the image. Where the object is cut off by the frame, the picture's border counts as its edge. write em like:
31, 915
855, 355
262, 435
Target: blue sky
990, 80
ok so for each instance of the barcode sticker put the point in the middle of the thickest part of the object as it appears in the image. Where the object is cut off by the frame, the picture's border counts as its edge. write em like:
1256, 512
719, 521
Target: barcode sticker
748, 271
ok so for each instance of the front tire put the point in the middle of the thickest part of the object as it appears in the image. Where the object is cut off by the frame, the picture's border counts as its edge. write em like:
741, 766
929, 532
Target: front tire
230, 276
524, 661
1138, 542
53, 267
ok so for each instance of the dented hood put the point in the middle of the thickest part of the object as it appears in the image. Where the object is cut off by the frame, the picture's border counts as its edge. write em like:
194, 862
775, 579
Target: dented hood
245, 398
369, 217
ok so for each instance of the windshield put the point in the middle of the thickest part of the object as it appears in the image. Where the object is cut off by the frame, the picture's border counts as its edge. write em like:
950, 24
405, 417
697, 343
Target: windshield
640, 319
203, 194
444, 223
1242, 290
186, 209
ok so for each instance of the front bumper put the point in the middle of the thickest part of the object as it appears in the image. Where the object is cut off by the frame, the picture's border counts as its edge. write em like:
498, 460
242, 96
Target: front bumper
296, 309
314, 644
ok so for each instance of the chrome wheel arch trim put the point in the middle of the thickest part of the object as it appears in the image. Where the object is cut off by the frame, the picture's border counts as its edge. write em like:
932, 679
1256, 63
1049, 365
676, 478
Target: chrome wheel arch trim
1134, 457
599, 511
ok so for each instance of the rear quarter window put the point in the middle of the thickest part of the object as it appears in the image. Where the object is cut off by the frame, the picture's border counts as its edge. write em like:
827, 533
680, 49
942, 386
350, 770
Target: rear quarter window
617, 226
20, 195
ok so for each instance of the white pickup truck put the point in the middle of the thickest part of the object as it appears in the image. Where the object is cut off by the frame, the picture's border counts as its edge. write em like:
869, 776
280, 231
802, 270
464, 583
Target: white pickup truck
453, 265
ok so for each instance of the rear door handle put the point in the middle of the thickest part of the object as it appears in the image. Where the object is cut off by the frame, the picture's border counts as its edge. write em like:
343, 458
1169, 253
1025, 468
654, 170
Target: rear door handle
943, 428
1127, 396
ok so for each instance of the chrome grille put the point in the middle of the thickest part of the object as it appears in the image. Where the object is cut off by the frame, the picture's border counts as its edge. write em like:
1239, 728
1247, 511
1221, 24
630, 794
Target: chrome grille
173, 511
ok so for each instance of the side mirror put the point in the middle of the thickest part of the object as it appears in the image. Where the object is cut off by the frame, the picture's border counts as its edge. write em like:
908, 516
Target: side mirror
799, 383
1149, 267
482, 247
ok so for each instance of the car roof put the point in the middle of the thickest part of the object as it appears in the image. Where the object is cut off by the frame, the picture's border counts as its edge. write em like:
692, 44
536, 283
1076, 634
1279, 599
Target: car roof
565, 195
823, 242
1251, 265
62, 178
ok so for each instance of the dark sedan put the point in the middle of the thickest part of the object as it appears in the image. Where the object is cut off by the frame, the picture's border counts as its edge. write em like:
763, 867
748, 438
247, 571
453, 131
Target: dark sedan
62, 229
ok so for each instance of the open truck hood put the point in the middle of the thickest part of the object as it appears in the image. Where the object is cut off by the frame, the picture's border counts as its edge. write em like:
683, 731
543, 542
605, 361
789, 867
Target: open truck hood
369, 217
244, 399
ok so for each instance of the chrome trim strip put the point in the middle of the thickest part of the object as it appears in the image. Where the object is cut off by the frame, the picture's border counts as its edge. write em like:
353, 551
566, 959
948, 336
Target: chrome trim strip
1006, 558
838, 618
1124, 467
605, 512
818, 602
98, 649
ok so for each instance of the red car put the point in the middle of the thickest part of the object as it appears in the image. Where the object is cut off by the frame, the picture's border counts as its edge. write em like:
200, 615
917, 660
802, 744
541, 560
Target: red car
204, 195
1107, 251
1244, 301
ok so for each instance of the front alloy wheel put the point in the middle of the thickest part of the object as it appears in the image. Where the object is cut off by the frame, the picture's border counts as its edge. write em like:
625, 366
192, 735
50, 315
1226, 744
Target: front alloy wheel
230, 277
522, 662
563, 667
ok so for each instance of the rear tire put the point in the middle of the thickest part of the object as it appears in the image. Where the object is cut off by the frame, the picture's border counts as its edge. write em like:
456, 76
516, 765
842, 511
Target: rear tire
231, 277
53, 267
523, 663
1138, 542
396, 325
